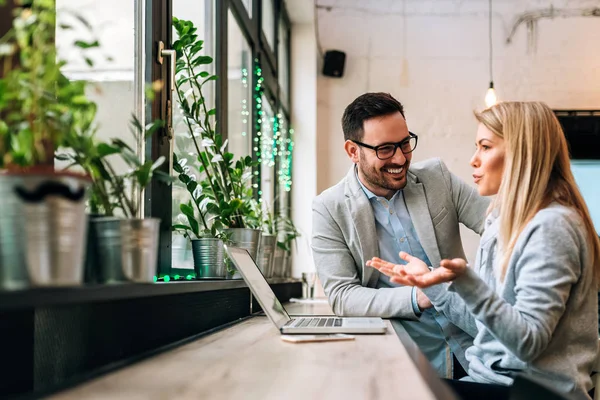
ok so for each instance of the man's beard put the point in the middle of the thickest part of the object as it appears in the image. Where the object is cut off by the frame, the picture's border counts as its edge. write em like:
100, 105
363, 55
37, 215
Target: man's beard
378, 178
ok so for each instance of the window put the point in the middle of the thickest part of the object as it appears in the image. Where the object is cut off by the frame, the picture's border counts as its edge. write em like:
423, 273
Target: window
267, 151
283, 57
239, 89
284, 164
113, 69
268, 22
248, 5
241, 48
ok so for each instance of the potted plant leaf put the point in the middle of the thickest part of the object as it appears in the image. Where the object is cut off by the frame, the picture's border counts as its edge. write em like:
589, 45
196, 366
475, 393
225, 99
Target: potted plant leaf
42, 228
224, 184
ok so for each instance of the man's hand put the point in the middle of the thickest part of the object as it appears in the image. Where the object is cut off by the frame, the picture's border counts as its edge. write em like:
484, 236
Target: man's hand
413, 266
416, 273
423, 301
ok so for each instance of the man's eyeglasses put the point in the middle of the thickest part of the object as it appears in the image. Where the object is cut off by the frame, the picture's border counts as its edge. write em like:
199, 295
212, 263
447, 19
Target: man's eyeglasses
386, 151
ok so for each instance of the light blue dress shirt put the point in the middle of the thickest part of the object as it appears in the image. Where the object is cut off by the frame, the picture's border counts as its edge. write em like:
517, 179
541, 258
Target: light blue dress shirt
396, 233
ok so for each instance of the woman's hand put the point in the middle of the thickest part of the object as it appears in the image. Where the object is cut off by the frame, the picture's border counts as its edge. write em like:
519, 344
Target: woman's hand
416, 273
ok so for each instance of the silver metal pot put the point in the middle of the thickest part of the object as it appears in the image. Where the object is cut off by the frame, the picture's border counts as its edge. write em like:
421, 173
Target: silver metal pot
208, 258
278, 262
139, 252
42, 229
266, 253
245, 238
106, 237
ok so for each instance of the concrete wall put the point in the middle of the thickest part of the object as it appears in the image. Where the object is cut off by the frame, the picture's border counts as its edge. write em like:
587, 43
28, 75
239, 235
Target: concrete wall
433, 57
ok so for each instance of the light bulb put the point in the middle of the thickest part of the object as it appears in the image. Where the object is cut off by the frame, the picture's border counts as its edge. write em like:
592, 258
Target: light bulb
490, 96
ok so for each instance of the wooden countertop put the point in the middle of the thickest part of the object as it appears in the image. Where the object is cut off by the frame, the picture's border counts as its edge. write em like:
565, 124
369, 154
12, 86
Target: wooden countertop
250, 361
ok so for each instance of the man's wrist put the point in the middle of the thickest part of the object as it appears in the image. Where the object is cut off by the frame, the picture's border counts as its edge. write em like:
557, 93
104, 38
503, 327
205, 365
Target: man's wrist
415, 304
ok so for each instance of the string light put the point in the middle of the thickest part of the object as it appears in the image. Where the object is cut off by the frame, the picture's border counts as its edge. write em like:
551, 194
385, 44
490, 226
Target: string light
245, 113
274, 143
257, 96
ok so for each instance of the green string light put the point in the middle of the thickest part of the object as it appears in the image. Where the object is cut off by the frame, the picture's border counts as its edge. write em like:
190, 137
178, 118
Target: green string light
258, 93
269, 149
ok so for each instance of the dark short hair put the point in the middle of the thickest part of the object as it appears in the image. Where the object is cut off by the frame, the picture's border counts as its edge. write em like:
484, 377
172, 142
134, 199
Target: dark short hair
367, 106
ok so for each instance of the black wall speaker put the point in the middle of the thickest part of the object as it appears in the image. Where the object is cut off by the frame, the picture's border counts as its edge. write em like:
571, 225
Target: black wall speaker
334, 63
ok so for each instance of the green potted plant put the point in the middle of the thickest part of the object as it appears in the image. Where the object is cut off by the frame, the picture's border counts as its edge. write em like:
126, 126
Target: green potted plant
126, 246
205, 232
43, 223
224, 185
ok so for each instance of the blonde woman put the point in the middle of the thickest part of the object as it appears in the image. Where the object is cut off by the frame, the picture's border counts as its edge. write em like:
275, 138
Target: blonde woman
530, 300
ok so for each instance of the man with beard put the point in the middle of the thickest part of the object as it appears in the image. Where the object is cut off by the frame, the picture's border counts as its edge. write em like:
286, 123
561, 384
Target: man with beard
381, 208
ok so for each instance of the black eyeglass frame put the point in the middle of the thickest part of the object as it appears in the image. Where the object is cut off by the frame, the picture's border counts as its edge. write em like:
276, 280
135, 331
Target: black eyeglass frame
396, 145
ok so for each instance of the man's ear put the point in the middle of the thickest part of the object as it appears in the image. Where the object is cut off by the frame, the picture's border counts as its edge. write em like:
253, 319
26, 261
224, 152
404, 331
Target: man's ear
352, 151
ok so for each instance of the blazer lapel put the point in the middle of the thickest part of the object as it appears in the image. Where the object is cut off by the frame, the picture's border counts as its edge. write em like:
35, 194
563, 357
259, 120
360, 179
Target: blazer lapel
416, 202
364, 224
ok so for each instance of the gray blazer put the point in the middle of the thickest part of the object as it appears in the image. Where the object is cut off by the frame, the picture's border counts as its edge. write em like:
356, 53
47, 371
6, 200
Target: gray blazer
344, 236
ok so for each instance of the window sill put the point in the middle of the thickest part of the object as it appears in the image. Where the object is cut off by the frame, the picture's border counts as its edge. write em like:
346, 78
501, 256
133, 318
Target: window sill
35, 297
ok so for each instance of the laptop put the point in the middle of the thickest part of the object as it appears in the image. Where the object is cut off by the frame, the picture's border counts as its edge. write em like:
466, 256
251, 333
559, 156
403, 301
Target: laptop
279, 316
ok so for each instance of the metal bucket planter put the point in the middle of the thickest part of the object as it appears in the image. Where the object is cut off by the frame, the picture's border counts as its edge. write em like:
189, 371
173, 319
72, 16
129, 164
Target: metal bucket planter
91, 253
139, 252
266, 253
278, 257
208, 258
42, 229
287, 265
107, 267
245, 238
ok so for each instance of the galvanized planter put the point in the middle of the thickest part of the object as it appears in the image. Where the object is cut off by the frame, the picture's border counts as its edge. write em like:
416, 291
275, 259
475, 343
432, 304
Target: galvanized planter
278, 261
42, 229
107, 266
139, 252
123, 250
287, 265
266, 253
208, 258
245, 238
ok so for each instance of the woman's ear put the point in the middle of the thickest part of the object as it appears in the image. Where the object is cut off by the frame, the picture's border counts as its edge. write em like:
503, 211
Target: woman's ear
352, 151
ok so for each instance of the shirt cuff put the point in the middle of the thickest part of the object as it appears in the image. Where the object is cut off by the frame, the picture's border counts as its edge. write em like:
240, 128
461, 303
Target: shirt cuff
415, 303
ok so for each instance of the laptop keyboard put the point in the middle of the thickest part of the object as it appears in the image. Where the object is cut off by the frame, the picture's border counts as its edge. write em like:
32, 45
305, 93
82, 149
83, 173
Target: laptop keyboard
311, 322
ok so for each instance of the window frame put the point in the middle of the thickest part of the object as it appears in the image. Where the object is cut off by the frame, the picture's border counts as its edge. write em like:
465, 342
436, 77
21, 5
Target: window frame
158, 198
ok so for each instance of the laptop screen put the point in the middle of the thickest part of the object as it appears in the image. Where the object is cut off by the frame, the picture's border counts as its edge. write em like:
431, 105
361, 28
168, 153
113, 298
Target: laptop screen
258, 285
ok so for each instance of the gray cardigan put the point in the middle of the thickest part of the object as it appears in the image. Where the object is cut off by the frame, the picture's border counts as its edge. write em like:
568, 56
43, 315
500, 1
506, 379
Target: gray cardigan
543, 319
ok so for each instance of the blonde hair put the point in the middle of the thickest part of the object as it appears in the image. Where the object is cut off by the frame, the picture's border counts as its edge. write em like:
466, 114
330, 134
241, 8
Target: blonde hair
537, 172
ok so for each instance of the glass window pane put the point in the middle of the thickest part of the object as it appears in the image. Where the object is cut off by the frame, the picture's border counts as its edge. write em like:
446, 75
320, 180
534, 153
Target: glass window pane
201, 13
248, 5
267, 153
268, 21
239, 77
283, 58
110, 69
